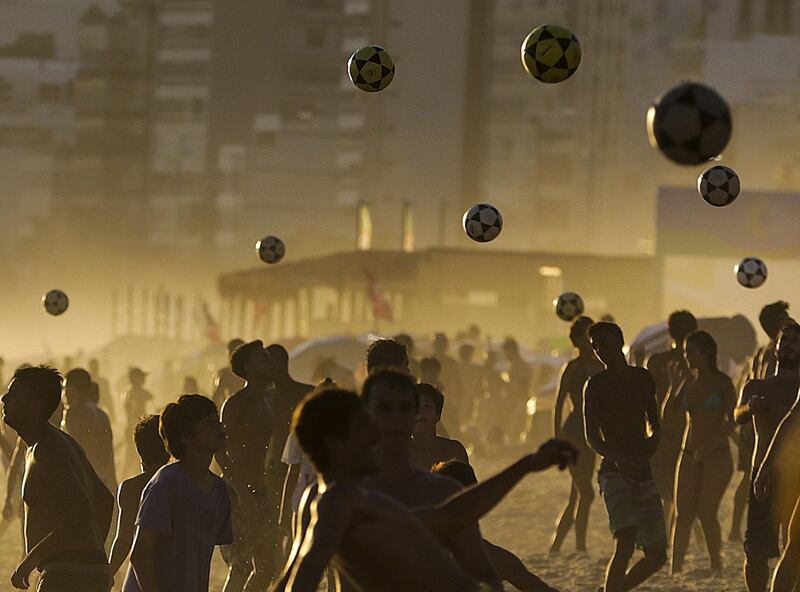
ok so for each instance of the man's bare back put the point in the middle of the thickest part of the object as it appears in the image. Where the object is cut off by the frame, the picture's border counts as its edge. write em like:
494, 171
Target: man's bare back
777, 394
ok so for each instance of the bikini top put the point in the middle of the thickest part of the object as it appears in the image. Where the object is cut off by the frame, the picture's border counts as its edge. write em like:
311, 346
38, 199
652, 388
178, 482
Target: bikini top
712, 401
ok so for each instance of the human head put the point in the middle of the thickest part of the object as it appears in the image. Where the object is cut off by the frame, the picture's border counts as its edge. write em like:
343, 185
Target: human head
607, 341
33, 396
474, 332
387, 354
680, 324
148, 442
278, 360
250, 361
335, 432
77, 386
406, 340
391, 399
789, 345
192, 424
431, 404
773, 316
233, 344
430, 369
456, 470
190, 384
136, 376
510, 348
94, 393
465, 352
700, 350
579, 332
94, 367
440, 344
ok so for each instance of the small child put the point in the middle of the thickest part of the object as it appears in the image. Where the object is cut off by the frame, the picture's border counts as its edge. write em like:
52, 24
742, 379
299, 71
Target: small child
151, 450
185, 509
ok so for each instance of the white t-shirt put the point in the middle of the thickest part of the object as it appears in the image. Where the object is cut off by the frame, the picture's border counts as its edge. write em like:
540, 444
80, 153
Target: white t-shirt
293, 455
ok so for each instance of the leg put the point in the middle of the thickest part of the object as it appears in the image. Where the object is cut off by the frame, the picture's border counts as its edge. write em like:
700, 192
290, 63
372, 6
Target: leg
739, 504
716, 475
686, 492
653, 560
586, 495
787, 572
625, 542
760, 544
264, 541
565, 520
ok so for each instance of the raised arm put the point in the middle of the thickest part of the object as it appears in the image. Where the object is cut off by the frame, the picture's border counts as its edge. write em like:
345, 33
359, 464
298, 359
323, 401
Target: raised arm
470, 505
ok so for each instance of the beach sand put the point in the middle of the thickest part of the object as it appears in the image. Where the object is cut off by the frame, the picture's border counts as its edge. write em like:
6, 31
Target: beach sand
523, 523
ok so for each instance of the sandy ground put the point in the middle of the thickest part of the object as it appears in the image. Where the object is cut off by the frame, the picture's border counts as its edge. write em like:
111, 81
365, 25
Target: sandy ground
523, 523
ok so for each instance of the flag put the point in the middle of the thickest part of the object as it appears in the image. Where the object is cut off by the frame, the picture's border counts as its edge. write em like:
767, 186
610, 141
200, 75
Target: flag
211, 327
381, 308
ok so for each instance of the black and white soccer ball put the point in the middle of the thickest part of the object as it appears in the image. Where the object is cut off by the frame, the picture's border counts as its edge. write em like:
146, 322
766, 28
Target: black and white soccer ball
551, 53
691, 124
751, 272
370, 68
719, 186
482, 222
55, 302
568, 306
270, 249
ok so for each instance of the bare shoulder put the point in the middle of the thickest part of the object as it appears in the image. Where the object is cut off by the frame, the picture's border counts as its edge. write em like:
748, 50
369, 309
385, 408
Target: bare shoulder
437, 486
453, 448
130, 491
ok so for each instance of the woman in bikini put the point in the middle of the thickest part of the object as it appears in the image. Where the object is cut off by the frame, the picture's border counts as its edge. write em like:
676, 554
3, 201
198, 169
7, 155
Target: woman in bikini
705, 465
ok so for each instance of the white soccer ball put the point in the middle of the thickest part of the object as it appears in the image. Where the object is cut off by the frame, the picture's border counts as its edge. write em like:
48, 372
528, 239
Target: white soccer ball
719, 186
751, 272
482, 222
270, 249
55, 302
568, 306
370, 68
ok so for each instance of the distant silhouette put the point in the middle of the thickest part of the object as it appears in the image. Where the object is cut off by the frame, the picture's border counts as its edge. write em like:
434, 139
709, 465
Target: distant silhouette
387, 354
573, 378
105, 399
67, 507
449, 382
89, 425
427, 447
247, 416
226, 382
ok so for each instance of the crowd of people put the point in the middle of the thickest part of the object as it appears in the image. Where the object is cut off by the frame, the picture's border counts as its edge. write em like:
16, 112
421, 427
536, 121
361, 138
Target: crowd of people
368, 485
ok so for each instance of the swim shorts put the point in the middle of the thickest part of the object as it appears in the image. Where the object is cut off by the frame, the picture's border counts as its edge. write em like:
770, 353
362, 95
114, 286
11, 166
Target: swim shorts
761, 532
632, 503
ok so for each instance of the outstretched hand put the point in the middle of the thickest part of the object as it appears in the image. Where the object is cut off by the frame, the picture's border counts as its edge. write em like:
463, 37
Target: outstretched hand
554, 453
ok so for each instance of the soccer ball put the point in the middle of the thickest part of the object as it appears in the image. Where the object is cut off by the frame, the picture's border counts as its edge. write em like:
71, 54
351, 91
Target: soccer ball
568, 306
691, 124
55, 302
370, 68
719, 186
482, 222
751, 272
551, 53
270, 249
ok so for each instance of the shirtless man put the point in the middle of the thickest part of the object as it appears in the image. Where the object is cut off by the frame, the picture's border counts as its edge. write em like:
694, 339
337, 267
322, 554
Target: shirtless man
151, 450
248, 422
573, 378
428, 448
89, 425
367, 535
226, 382
681, 323
765, 402
619, 405
67, 507
104, 390
387, 354
134, 403
392, 402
